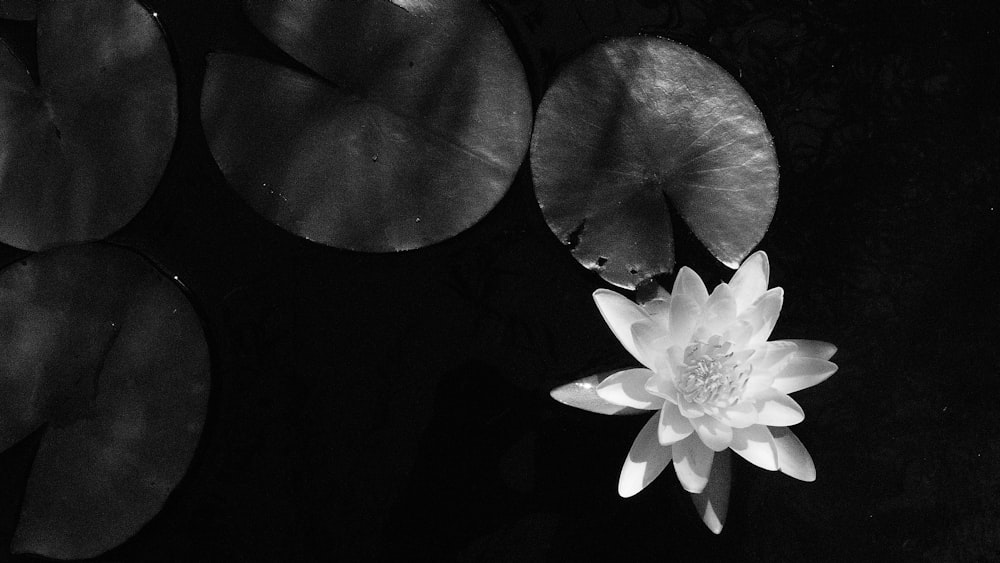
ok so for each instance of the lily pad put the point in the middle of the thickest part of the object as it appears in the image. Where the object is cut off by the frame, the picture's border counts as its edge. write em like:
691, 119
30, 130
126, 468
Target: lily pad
85, 145
23, 10
109, 354
635, 128
411, 133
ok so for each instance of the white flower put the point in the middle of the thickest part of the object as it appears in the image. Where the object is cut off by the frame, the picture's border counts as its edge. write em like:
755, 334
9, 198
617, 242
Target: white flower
716, 381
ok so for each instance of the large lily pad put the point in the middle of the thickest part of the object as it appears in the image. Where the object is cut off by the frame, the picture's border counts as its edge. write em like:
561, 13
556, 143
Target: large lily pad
84, 147
109, 353
413, 134
634, 127
17, 9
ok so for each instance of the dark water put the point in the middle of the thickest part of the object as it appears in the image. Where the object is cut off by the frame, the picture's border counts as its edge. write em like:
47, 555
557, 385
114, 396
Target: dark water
394, 405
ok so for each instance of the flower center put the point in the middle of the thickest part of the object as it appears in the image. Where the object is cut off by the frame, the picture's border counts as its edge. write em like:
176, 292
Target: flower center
710, 375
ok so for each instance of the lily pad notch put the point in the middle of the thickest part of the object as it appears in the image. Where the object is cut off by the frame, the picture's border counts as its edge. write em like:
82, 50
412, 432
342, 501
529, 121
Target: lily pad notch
635, 127
87, 140
109, 355
413, 133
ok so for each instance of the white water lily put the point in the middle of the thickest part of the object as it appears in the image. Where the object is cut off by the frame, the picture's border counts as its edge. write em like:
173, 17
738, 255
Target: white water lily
716, 381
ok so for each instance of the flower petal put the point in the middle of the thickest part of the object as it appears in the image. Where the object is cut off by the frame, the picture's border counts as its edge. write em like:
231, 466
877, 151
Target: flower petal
662, 386
673, 426
582, 394
793, 459
689, 409
750, 281
716, 435
692, 463
740, 415
683, 318
775, 408
742, 357
712, 503
689, 284
720, 309
739, 333
651, 343
659, 310
801, 373
628, 389
645, 460
815, 349
755, 444
757, 383
771, 354
620, 314
660, 303
764, 314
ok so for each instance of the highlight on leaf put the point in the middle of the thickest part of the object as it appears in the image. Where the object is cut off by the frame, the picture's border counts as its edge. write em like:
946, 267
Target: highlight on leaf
86, 141
106, 353
411, 133
639, 129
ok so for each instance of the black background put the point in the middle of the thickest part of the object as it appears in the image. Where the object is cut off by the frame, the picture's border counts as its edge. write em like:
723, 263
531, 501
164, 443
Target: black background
392, 405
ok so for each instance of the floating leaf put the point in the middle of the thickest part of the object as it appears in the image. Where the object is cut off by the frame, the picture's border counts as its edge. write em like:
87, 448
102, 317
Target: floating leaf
106, 350
82, 150
638, 125
582, 394
23, 10
416, 133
